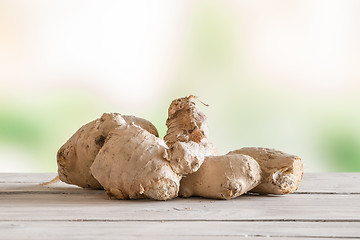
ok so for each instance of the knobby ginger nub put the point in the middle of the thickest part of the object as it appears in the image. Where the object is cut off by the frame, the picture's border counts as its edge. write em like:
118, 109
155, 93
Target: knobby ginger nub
281, 172
145, 124
185, 122
75, 157
222, 177
187, 136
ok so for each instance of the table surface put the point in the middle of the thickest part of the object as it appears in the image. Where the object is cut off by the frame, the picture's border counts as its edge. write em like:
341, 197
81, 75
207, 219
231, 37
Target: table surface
326, 206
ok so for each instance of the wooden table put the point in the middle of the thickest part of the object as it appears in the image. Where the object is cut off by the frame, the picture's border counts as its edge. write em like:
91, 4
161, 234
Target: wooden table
326, 206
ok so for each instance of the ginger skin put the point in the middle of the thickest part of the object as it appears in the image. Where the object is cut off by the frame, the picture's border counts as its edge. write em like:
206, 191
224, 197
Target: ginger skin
187, 136
145, 124
281, 172
76, 156
124, 155
185, 122
133, 164
222, 177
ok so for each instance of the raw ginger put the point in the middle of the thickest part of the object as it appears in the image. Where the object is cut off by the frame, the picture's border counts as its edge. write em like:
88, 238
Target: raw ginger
281, 172
266, 171
133, 164
187, 136
222, 177
125, 156
76, 156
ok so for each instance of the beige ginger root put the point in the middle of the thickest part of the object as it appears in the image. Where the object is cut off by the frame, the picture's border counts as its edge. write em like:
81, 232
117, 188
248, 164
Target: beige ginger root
133, 164
75, 157
185, 122
145, 124
124, 155
222, 177
187, 136
281, 172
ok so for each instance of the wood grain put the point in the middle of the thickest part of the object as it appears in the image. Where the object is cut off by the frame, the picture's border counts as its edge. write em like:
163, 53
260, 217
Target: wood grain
326, 206
177, 230
97, 207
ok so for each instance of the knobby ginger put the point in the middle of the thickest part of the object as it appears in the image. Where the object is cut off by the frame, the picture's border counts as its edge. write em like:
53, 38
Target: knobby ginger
187, 136
125, 156
281, 172
133, 164
76, 156
222, 177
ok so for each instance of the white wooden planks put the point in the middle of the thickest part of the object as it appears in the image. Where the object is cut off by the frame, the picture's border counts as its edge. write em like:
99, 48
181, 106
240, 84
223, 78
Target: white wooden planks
97, 207
327, 205
176, 230
26, 177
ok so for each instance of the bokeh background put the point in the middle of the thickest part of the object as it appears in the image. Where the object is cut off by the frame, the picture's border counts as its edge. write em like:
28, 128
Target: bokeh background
282, 74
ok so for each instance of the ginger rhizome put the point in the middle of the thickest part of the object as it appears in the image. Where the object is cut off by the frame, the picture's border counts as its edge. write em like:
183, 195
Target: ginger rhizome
125, 156
76, 156
187, 135
222, 177
281, 172
133, 164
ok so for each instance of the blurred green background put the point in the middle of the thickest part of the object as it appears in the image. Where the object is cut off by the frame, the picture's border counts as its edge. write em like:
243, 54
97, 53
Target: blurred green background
281, 74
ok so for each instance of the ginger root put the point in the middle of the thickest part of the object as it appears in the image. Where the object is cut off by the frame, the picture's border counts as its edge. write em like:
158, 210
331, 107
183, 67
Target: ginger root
281, 172
222, 177
145, 124
133, 164
187, 136
76, 156
125, 156
185, 122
